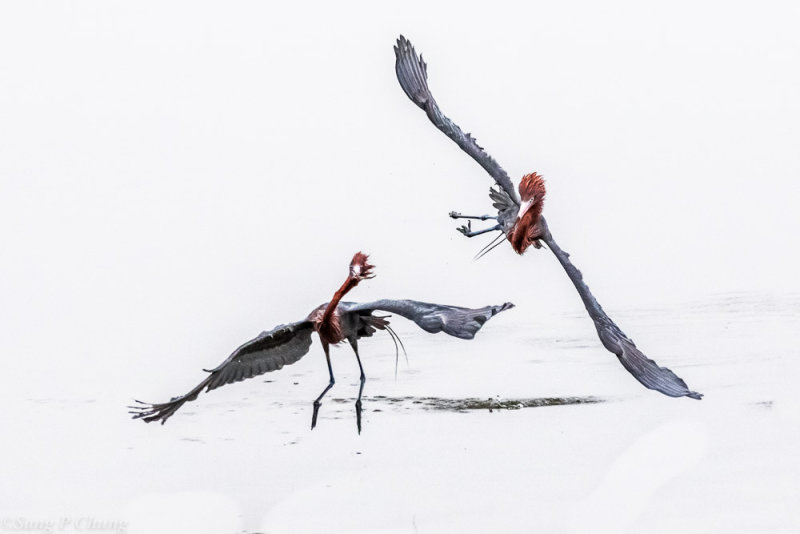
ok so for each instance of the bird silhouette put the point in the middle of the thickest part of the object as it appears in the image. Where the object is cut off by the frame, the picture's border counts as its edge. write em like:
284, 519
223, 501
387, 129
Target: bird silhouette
520, 221
334, 322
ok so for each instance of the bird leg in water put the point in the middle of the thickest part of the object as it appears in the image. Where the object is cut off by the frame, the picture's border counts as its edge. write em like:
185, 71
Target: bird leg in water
456, 215
318, 402
354, 344
467, 230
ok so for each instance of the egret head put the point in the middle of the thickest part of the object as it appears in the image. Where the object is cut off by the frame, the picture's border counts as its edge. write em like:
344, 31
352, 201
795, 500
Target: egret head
526, 231
360, 268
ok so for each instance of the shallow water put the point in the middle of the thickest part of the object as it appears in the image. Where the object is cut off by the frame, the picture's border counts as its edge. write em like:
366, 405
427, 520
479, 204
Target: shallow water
446, 446
465, 405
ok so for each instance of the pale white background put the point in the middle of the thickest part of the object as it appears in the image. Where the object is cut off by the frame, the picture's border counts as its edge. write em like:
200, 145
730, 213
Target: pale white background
177, 176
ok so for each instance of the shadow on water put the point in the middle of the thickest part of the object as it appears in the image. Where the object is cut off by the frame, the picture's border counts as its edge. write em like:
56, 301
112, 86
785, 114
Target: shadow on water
469, 404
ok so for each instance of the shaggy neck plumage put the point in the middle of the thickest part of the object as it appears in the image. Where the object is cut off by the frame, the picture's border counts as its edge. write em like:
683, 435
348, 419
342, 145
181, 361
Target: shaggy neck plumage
349, 284
525, 232
328, 327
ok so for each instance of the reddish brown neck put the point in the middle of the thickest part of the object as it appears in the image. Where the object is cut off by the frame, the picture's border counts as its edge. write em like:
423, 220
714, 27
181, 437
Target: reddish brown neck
328, 327
526, 231
349, 284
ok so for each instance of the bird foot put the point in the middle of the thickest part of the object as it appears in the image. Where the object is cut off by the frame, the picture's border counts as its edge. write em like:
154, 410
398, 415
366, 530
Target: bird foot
317, 404
358, 415
466, 230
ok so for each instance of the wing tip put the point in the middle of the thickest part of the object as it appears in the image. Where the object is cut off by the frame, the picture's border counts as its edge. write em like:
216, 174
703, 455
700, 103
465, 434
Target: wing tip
651, 375
411, 72
503, 307
403, 43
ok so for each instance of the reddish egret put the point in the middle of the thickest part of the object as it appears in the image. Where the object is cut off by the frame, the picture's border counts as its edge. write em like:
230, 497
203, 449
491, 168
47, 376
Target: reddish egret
520, 222
334, 322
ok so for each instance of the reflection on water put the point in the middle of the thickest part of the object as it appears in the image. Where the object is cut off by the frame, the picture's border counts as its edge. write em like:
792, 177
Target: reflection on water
465, 405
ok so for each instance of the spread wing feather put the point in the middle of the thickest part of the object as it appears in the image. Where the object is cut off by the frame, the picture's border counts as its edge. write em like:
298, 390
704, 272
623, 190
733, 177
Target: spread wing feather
412, 73
459, 322
269, 351
650, 374
645, 370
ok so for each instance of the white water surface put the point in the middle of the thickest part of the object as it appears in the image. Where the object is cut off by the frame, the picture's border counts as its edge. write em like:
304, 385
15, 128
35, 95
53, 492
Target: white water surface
242, 458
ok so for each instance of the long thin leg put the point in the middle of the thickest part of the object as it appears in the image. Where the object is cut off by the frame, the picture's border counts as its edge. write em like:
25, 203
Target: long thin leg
467, 230
318, 402
456, 215
354, 344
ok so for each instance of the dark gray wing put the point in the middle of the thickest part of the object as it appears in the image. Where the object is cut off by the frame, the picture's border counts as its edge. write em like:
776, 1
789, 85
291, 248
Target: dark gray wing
412, 74
460, 322
270, 351
649, 373
645, 370
507, 210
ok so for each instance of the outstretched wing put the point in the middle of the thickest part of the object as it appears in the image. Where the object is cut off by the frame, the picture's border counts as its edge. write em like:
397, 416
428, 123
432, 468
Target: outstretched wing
650, 374
270, 351
460, 322
413, 77
645, 370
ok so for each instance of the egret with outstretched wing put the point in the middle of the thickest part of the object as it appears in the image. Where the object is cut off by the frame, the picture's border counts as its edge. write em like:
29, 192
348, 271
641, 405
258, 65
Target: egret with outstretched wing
520, 221
334, 322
